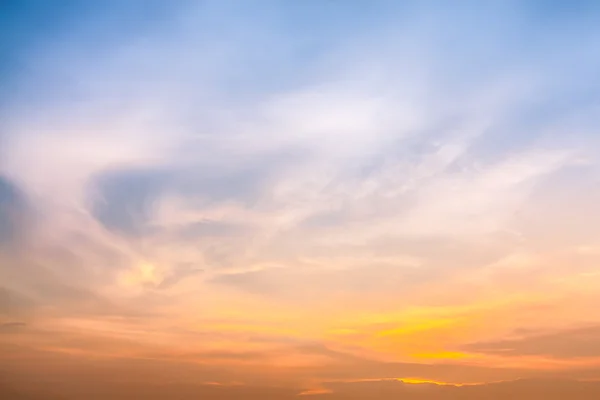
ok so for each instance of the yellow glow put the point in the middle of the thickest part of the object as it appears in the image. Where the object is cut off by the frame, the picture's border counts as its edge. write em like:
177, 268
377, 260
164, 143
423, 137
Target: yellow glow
312, 392
420, 381
419, 327
144, 273
443, 355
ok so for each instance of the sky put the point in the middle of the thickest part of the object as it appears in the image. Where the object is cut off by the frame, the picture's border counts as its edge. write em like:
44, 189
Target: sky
276, 200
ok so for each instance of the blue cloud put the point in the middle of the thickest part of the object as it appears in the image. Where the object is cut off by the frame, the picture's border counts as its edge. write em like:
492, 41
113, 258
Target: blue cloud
123, 199
13, 211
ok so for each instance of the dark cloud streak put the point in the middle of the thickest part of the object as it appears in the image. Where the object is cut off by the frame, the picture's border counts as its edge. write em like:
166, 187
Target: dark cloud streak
574, 343
15, 212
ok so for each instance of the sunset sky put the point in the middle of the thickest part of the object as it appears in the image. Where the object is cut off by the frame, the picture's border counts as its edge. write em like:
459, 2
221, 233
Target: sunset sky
322, 198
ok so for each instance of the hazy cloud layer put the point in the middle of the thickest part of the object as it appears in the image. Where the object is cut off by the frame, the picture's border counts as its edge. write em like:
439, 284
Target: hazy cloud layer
575, 343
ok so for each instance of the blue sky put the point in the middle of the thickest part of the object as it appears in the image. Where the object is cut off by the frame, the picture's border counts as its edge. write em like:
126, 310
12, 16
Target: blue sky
351, 174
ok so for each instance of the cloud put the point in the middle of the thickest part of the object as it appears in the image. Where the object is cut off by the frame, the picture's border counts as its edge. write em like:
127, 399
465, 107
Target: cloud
208, 228
368, 170
385, 389
13, 302
15, 214
565, 344
178, 274
12, 326
123, 200
523, 389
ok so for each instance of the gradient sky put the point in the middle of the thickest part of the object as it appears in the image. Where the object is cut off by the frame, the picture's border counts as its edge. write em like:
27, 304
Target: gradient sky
262, 199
